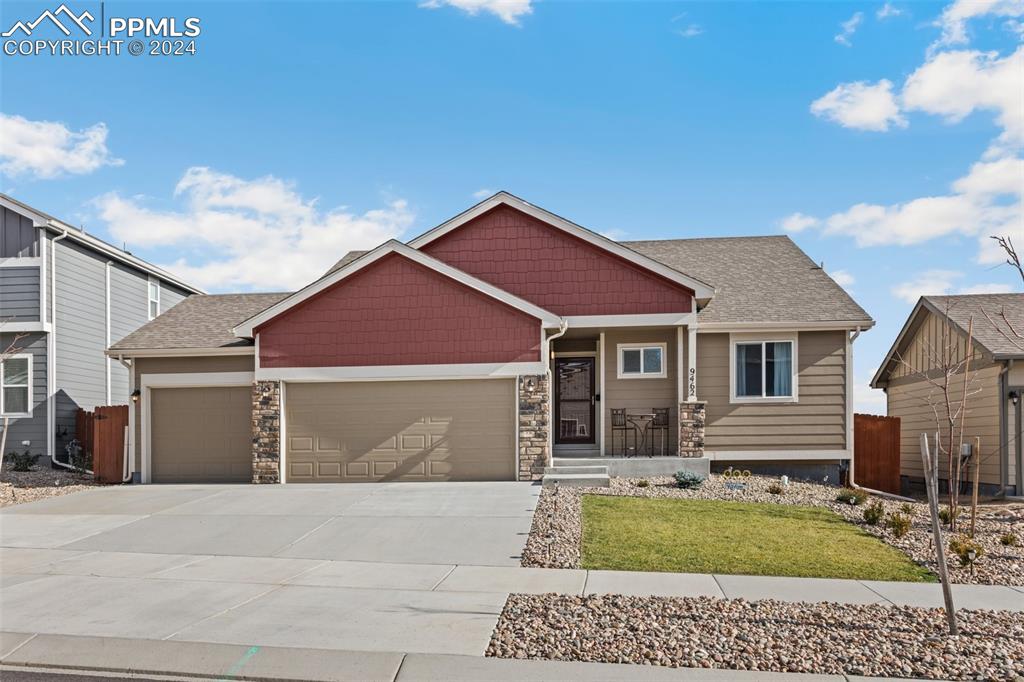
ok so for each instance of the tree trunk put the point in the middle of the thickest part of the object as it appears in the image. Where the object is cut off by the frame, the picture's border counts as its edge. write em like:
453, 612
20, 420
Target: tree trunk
931, 479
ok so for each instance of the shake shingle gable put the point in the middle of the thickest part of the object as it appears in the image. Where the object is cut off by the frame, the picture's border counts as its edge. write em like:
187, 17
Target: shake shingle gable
757, 280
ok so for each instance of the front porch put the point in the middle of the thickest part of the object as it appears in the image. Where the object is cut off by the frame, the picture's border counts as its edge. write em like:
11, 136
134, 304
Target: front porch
624, 404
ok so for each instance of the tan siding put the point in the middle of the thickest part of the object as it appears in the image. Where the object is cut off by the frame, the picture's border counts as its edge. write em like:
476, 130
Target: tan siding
908, 400
640, 394
926, 346
816, 422
188, 365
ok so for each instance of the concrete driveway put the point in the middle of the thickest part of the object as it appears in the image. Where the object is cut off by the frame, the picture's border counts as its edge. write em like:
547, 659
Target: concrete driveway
353, 567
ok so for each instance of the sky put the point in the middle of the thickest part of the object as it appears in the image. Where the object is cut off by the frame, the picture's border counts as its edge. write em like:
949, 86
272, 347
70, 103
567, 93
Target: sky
884, 138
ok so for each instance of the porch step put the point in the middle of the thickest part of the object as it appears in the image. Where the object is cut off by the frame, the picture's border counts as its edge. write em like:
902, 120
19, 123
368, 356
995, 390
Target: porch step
572, 469
578, 480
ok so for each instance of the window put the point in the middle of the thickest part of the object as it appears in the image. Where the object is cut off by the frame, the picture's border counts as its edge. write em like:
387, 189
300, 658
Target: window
16, 386
641, 360
763, 370
154, 298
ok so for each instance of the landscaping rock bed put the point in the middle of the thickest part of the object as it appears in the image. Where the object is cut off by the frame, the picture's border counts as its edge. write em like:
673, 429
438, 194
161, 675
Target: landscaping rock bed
554, 540
702, 632
18, 487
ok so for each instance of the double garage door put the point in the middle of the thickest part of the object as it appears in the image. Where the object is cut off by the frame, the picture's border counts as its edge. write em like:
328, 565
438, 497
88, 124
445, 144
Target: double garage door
460, 430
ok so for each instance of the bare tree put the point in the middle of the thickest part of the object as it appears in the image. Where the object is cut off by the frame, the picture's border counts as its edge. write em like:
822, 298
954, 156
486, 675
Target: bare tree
1006, 244
941, 365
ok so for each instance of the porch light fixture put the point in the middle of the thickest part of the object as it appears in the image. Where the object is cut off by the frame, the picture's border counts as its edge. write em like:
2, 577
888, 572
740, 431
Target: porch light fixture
1014, 397
136, 394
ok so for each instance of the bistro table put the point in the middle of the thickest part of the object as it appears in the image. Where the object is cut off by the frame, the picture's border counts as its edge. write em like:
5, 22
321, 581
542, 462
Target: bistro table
641, 422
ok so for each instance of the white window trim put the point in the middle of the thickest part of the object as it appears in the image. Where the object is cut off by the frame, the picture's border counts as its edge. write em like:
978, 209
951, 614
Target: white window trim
150, 299
18, 415
737, 339
641, 346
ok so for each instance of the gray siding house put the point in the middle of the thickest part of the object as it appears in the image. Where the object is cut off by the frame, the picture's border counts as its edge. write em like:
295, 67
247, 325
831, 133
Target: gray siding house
67, 295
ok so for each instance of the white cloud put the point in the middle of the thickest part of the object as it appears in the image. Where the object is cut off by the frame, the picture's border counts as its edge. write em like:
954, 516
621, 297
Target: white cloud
887, 11
250, 234
48, 149
940, 282
483, 193
843, 278
690, 31
927, 283
798, 222
849, 28
990, 288
955, 17
867, 400
986, 201
508, 11
861, 105
958, 83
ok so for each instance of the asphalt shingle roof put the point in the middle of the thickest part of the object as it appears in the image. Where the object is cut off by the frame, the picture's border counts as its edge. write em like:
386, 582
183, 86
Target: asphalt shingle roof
201, 321
990, 329
757, 279
345, 260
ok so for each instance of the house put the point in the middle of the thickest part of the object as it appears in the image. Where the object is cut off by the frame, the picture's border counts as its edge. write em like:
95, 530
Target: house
937, 328
64, 296
500, 340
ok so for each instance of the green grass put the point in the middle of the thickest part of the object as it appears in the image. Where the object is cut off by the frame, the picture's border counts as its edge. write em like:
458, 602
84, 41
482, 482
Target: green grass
699, 536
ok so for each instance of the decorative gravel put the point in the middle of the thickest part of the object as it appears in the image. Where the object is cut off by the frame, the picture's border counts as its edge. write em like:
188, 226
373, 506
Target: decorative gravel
702, 632
19, 487
554, 540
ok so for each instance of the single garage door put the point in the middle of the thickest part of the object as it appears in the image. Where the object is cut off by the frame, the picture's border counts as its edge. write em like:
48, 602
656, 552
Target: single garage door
201, 435
401, 431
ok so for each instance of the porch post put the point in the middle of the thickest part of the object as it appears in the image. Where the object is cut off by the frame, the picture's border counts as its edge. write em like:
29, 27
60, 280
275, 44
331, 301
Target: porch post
691, 365
601, 388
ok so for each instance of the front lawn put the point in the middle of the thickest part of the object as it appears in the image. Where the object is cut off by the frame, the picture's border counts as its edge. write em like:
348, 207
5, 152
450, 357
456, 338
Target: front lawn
712, 536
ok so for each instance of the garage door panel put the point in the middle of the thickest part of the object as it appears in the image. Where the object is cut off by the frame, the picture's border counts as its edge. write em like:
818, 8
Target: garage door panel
426, 430
201, 435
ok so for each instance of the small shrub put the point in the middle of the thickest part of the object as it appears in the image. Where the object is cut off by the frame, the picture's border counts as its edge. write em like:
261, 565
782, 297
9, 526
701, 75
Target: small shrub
851, 496
688, 480
642, 483
961, 545
945, 515
776, 489
1008, 540
908, 509
898, 523
874, 513
22, 461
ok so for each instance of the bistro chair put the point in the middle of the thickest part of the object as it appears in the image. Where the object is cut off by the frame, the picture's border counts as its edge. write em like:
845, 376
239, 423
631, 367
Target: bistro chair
660, 425
619, 425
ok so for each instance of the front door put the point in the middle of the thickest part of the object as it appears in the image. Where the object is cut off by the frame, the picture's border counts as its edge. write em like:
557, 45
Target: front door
574, 400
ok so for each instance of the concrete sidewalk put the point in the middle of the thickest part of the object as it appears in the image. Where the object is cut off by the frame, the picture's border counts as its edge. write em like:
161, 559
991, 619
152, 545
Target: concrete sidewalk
223, 661
23, 566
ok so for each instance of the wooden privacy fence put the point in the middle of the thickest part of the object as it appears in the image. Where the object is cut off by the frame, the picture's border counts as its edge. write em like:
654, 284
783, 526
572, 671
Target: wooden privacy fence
102, 433
876, 452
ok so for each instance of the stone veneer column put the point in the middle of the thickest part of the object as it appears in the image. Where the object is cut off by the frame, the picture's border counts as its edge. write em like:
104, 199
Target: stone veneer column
692, 416
533, 426
266, 432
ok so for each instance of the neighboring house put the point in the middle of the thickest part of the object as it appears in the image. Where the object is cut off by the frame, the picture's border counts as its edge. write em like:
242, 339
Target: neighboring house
68, 295
937, 328
450, 357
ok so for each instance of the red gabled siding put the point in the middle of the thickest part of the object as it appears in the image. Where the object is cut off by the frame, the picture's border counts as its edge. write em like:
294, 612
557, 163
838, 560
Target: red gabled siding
553, 269
398, 312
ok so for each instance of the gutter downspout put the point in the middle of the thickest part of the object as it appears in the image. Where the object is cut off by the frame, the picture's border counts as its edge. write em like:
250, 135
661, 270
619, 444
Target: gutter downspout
563, 327
51, 357
129, 451
849, 422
